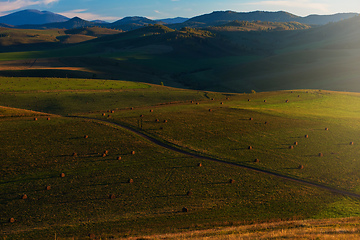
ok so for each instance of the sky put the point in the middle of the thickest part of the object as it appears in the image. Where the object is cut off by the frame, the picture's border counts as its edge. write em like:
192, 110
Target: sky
112, 10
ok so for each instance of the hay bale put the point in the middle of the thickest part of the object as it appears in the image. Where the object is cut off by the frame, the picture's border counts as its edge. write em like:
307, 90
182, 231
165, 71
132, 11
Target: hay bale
231, 181
251, 119
189, 193
151, 110
227, 98
351, 143
112, 111
184, 209
24, 196
298, 95
250, 147
118, 158
199, 164
106, 152
112, 196
296, 143
286, 101
86, 136
249, 100
256, 160
264, 100
197, 103
48, 119
210, 110
62, 175
48, 187
326, 129
306, 136
11, 220
35, 119
212, 99
291, 147
300, 167
131, 108
266, 122
157, 120
132, 152
103, 114
130, 180
221, 103
165, 121
321, 155
109, 116
74, 154
104, 155
141, 115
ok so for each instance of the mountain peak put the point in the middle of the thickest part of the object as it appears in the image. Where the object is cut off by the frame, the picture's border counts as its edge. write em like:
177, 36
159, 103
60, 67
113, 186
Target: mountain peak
32, 16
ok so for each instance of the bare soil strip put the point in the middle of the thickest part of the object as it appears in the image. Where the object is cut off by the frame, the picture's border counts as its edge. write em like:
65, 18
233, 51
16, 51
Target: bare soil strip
195, 155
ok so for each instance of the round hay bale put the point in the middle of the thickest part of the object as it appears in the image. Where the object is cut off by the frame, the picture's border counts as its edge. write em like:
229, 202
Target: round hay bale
189, 193
157, 120
231, 181
197, 103
266, 122
132, 152
321, 155
130, 180
48, 187
112, 196
165, 121
250, 147
151, 110
326, 129
118, 158
251, 119
112, 111
221, 103
296, 143
48, 119
11, 220
109, 116
141, 115
256, 160
184, 209
62, 175
249, 100
191, 101
298, 95
227, 98
131, 108
306, 136
35, 119
24, 196
106, 152
351, 143
86, 136
74, 154
210, 110
103, 114
286, 101
291, 147
212, 99
199, 164
104, 155
264, 100
300, 167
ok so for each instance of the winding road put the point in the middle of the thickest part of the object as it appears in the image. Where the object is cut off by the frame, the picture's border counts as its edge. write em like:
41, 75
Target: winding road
170, 147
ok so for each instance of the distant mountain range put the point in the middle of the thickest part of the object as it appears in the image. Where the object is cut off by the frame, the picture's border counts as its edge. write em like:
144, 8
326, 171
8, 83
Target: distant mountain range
34, 19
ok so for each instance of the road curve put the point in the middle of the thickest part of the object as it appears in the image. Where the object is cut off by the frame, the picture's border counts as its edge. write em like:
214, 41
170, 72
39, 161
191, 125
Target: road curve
168, 146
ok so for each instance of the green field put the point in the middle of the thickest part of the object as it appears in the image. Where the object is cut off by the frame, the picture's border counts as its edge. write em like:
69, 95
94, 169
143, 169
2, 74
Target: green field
35, 153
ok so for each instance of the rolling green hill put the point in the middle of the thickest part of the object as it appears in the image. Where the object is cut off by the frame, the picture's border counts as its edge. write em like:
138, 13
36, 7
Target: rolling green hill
80, 128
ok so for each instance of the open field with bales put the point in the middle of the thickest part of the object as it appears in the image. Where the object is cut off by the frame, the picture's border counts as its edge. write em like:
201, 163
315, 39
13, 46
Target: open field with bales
91, 159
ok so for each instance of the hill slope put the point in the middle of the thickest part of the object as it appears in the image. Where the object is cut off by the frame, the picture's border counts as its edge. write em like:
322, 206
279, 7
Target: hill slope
32, 16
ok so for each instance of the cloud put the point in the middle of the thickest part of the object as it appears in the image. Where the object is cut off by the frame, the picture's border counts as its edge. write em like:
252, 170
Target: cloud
298, 4
19, 4
83, 14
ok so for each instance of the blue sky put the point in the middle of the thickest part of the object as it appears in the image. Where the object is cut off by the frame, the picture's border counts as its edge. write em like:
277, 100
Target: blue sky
112, 10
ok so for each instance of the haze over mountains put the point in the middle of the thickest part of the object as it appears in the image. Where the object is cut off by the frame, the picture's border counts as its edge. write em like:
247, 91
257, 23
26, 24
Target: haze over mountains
34, 19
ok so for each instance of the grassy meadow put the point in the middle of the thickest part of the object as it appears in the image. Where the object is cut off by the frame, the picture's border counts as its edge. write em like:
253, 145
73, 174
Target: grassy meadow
95, 199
